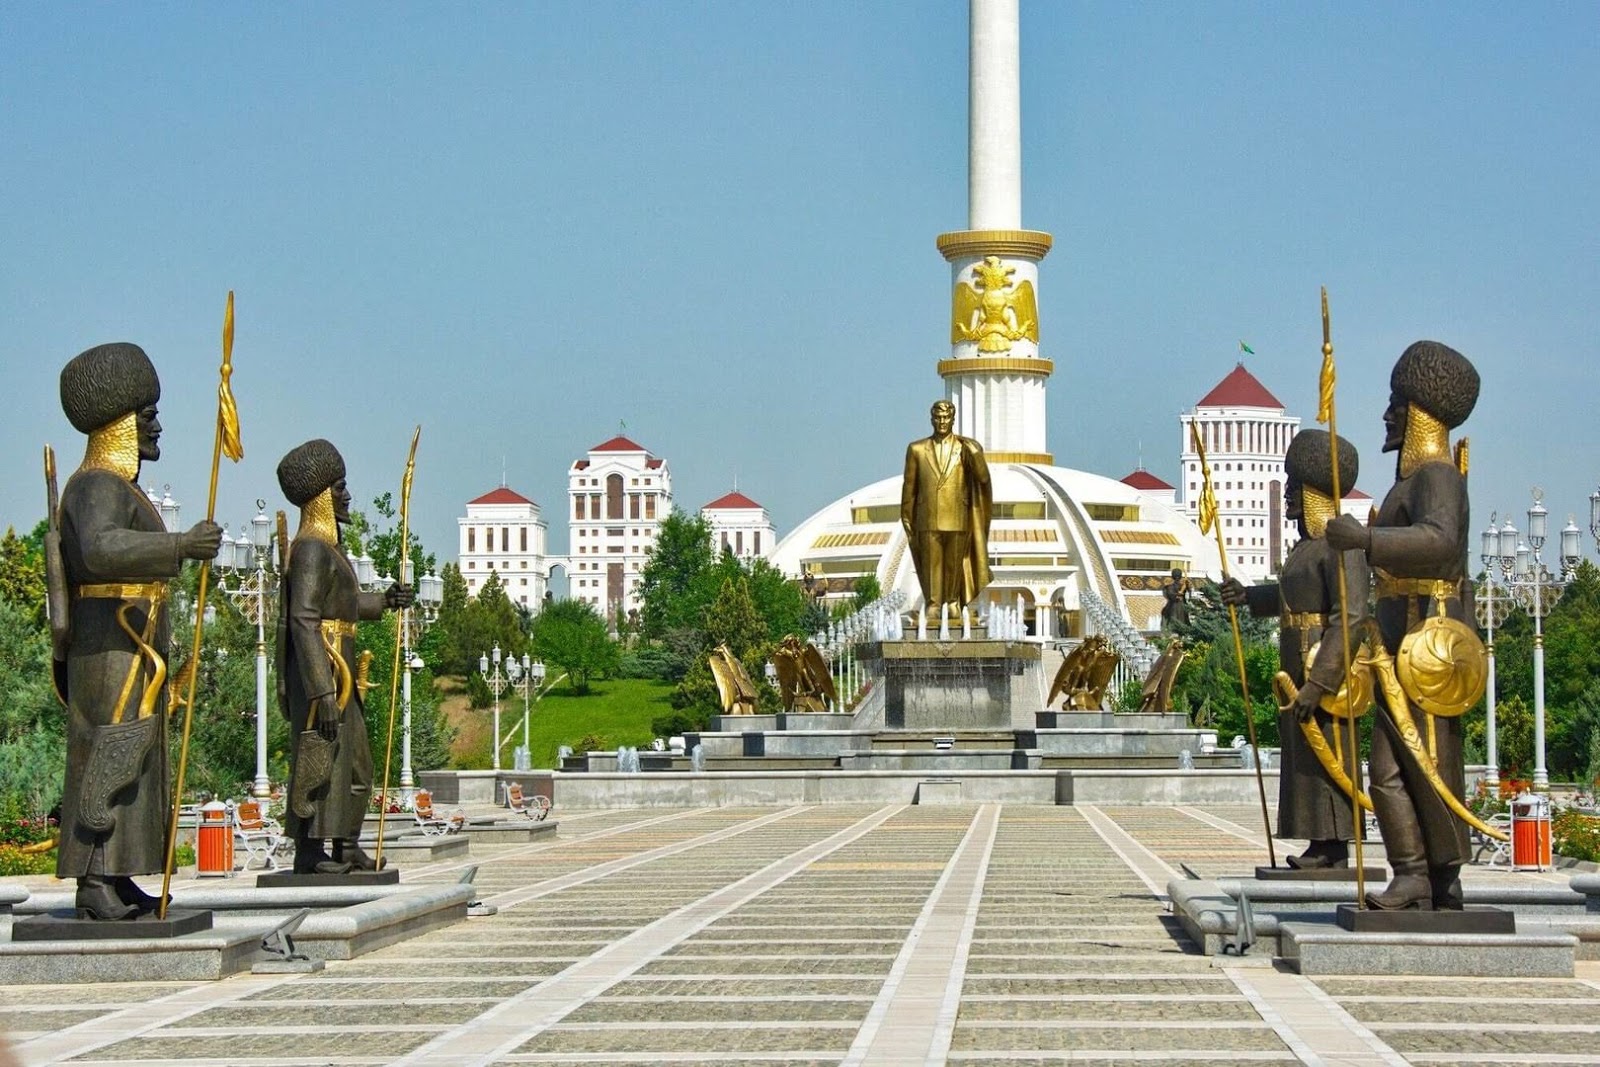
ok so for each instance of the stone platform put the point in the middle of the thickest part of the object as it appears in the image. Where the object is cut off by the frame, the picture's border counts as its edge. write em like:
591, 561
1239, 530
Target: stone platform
812, 934
346, 921
955, 685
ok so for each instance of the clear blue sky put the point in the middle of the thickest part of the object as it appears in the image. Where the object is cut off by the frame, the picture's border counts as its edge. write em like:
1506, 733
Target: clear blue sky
520, 224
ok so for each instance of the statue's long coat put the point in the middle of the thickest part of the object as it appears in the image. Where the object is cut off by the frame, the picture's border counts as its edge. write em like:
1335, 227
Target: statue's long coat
111, 533
318, 584
1421, 532
1310, 805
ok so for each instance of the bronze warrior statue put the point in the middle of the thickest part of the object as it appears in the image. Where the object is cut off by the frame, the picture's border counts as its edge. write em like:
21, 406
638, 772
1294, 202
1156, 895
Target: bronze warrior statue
116, 556
945, 506
1311, 803
330, 761
1175, 612
1418, 547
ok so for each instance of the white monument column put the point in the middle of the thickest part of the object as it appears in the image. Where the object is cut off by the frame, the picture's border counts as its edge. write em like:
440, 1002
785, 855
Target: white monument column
995, 375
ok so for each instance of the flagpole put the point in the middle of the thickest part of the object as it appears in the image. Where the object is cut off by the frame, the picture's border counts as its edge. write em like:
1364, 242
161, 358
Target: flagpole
225, 441
1326, 380
1208, 522
399, 633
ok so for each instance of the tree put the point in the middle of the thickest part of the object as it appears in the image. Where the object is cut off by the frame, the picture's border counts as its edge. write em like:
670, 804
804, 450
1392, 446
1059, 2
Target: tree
733, 620
867, 590
444, 645
22, 574
1207, 685
669, 582
571, 635
33, 750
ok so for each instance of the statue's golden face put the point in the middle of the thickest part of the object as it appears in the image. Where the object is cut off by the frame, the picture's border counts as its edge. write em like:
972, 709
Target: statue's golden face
943, 417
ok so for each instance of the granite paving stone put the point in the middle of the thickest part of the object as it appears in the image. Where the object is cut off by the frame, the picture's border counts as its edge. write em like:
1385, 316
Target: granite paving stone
731, 937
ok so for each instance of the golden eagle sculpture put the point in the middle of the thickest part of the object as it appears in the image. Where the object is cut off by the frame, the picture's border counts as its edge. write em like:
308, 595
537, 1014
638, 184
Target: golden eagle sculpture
734, 688
994, 311
804, 683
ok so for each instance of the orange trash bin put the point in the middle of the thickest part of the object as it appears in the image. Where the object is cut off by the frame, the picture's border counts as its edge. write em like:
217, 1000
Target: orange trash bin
214, 842
1530, 832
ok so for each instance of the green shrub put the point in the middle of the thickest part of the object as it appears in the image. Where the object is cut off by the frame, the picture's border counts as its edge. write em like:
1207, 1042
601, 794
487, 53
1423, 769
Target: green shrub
1575, 835
14, 861
676, 723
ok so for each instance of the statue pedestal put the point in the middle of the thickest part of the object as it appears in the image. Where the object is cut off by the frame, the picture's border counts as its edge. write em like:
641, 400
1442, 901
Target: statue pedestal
956, 685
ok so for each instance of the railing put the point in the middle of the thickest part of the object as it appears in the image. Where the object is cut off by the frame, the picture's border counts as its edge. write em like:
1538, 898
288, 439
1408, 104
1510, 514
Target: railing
1138, 654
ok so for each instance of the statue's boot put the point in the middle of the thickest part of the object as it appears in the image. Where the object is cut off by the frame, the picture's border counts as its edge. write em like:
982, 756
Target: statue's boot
128, 892
1446, 883
1321, 855
97, 899
310, 857
349, 850
1406, 891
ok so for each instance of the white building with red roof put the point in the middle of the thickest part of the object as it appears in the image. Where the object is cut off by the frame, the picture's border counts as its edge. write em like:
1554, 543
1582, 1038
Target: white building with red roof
1149, 485
1246, 433
741, 526
616, 498
502, 533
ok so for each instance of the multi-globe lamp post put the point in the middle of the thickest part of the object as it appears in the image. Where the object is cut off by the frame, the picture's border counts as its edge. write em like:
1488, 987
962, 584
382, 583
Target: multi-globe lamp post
413, 620
249, 558
1535, 590
497, 682
526, 675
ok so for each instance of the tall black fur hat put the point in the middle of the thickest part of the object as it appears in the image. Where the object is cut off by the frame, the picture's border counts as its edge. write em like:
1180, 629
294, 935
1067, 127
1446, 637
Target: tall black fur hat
1438, 379
107, 382
1310, 462
308, 469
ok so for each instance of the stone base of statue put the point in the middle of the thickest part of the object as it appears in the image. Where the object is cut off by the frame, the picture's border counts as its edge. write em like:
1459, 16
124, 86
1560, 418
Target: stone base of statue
1478, 919
1371, 875
974, 684
64, 925
288, 879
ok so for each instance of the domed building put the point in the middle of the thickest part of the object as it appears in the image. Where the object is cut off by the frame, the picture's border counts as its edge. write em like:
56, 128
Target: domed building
1083, 553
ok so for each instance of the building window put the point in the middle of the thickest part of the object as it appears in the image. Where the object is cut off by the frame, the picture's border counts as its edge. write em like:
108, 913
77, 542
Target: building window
472, 540
613, 496
633, 505
577, 506
471, 565
650, 506
758, 542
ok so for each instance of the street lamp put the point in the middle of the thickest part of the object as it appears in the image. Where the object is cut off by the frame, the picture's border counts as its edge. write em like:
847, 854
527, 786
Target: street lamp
250, 556
1536, 591
497, 685
413, 620
1493, 603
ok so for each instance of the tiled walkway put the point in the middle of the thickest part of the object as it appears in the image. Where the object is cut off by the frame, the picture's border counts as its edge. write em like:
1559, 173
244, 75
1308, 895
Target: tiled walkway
824, 935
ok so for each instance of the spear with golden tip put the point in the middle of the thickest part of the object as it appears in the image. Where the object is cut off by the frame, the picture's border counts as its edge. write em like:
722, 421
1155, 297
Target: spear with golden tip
1327, 378
227, 443
399, 631
1209, 524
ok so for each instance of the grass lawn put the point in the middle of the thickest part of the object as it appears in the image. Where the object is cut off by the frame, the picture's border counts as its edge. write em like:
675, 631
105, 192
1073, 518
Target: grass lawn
616, 712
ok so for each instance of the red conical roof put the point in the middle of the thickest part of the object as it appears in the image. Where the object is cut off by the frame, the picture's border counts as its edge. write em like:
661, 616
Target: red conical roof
1239, 389
734, 499
501, 495
1143, 479
618, 443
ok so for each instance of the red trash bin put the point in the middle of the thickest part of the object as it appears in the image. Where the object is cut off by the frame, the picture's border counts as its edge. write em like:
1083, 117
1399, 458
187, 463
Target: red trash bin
214, 842
1530, 832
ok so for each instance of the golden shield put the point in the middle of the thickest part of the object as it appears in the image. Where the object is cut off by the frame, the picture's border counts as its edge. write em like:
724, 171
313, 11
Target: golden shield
1355, 695
1443, 666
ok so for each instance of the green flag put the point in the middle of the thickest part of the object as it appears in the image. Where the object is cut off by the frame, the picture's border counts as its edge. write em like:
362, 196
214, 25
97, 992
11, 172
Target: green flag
1246, 348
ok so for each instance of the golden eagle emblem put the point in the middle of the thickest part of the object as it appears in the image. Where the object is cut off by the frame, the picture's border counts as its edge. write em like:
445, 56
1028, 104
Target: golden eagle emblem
994, 312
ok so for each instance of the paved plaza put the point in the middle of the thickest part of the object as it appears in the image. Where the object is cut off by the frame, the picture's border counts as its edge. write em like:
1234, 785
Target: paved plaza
810, 936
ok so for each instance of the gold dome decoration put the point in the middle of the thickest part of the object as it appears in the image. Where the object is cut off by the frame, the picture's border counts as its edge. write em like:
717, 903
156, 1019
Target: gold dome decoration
1443, 666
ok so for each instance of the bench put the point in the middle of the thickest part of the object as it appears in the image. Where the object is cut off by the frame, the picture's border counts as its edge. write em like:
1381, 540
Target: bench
430, 822
259, 837
536, 807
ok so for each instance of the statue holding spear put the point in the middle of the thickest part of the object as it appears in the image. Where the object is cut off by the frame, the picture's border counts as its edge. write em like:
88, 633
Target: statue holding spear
114, 561
330, 765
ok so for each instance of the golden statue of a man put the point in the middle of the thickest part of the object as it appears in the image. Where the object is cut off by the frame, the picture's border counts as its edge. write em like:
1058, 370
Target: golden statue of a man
945, 505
